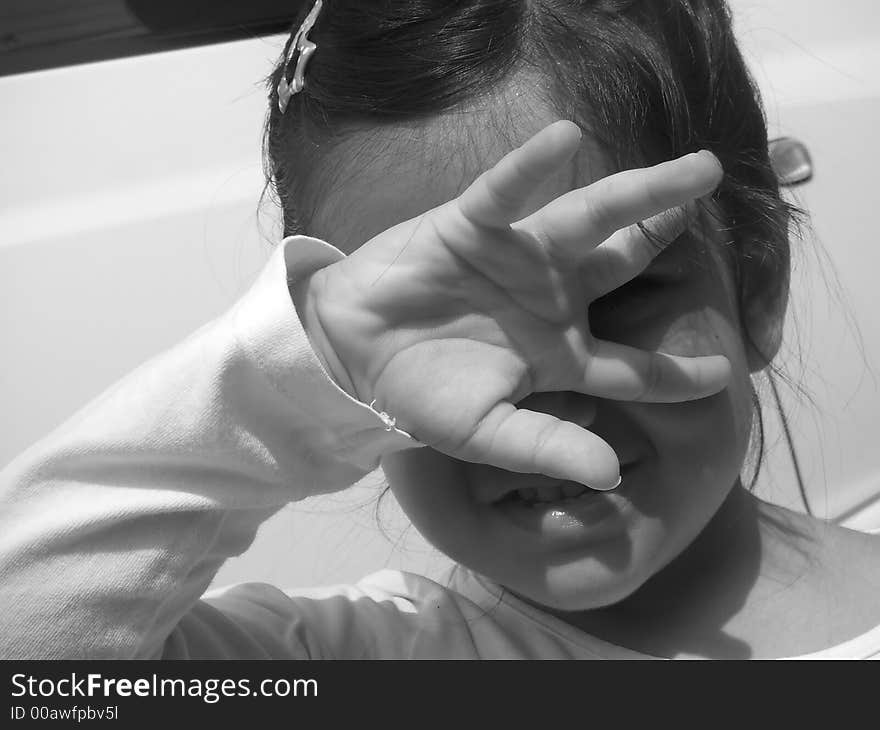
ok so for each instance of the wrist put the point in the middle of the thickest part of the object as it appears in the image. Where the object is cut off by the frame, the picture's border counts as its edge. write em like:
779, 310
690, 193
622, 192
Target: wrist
306, 296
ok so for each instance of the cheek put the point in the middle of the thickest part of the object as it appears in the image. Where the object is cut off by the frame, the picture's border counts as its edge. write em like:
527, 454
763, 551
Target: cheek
429, 486
708, 331
707, 438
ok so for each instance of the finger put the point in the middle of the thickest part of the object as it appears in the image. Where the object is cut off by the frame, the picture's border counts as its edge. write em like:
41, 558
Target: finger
620, 372
530, 442
497, 197
572, 225
631, 250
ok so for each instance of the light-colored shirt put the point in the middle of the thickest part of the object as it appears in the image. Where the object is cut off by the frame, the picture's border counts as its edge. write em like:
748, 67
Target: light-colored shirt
113, 526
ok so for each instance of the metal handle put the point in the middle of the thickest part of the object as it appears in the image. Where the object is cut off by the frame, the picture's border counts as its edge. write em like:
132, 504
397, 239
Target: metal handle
791, 160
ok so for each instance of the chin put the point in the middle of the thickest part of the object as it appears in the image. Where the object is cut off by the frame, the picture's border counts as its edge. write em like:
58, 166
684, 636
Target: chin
578, 587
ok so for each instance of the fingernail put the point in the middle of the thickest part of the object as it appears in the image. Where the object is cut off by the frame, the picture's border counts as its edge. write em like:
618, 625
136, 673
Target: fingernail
709, 155
611, 488
569, 123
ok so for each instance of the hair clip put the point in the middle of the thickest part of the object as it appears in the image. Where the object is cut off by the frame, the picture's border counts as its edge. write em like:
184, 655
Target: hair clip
302, 45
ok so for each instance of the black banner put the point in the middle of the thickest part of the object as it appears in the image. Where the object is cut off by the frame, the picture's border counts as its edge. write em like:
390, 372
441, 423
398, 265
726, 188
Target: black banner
128, 694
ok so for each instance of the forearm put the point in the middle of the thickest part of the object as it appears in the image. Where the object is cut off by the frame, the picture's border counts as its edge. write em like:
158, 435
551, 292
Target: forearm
113, 526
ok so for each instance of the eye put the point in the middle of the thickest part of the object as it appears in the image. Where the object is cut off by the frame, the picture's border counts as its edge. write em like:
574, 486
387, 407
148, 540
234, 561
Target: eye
648, 281
630, 305
643, 287
659, 279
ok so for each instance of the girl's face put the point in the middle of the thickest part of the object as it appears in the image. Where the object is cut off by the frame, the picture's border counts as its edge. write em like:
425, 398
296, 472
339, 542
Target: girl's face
678, 461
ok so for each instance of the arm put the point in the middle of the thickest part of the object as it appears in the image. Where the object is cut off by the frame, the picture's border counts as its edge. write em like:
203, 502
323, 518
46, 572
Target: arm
113, 526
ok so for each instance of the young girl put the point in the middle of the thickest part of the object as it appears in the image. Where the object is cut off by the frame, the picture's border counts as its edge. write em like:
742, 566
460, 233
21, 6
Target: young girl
551, 360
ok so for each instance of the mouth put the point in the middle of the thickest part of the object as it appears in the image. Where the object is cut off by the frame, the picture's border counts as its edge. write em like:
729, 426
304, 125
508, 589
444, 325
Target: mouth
544, 496
565, 514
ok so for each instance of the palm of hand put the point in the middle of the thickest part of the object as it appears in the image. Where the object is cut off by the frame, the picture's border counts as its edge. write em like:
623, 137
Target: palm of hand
464, 311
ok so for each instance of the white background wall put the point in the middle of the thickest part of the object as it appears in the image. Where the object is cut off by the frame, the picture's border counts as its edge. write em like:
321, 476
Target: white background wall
128, 198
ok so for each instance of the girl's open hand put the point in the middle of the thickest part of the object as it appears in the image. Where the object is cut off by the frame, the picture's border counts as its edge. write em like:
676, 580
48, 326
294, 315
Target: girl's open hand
450, 319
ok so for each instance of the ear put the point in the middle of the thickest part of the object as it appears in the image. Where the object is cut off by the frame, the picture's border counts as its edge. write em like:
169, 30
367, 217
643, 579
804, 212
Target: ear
764, 281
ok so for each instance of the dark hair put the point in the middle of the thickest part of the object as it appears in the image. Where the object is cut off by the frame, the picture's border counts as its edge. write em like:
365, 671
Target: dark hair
650, 80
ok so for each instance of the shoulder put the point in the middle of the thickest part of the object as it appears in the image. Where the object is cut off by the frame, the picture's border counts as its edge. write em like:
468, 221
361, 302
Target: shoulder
853, 556
388, 614
821, 584
846, 582
835, 552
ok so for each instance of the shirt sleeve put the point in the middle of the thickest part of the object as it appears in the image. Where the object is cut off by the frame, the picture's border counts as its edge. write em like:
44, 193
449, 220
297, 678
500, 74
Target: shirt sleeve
114, 525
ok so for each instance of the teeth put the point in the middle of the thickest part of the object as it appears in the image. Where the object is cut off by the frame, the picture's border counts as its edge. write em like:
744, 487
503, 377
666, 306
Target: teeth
573, 490
543, 495
549, 494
